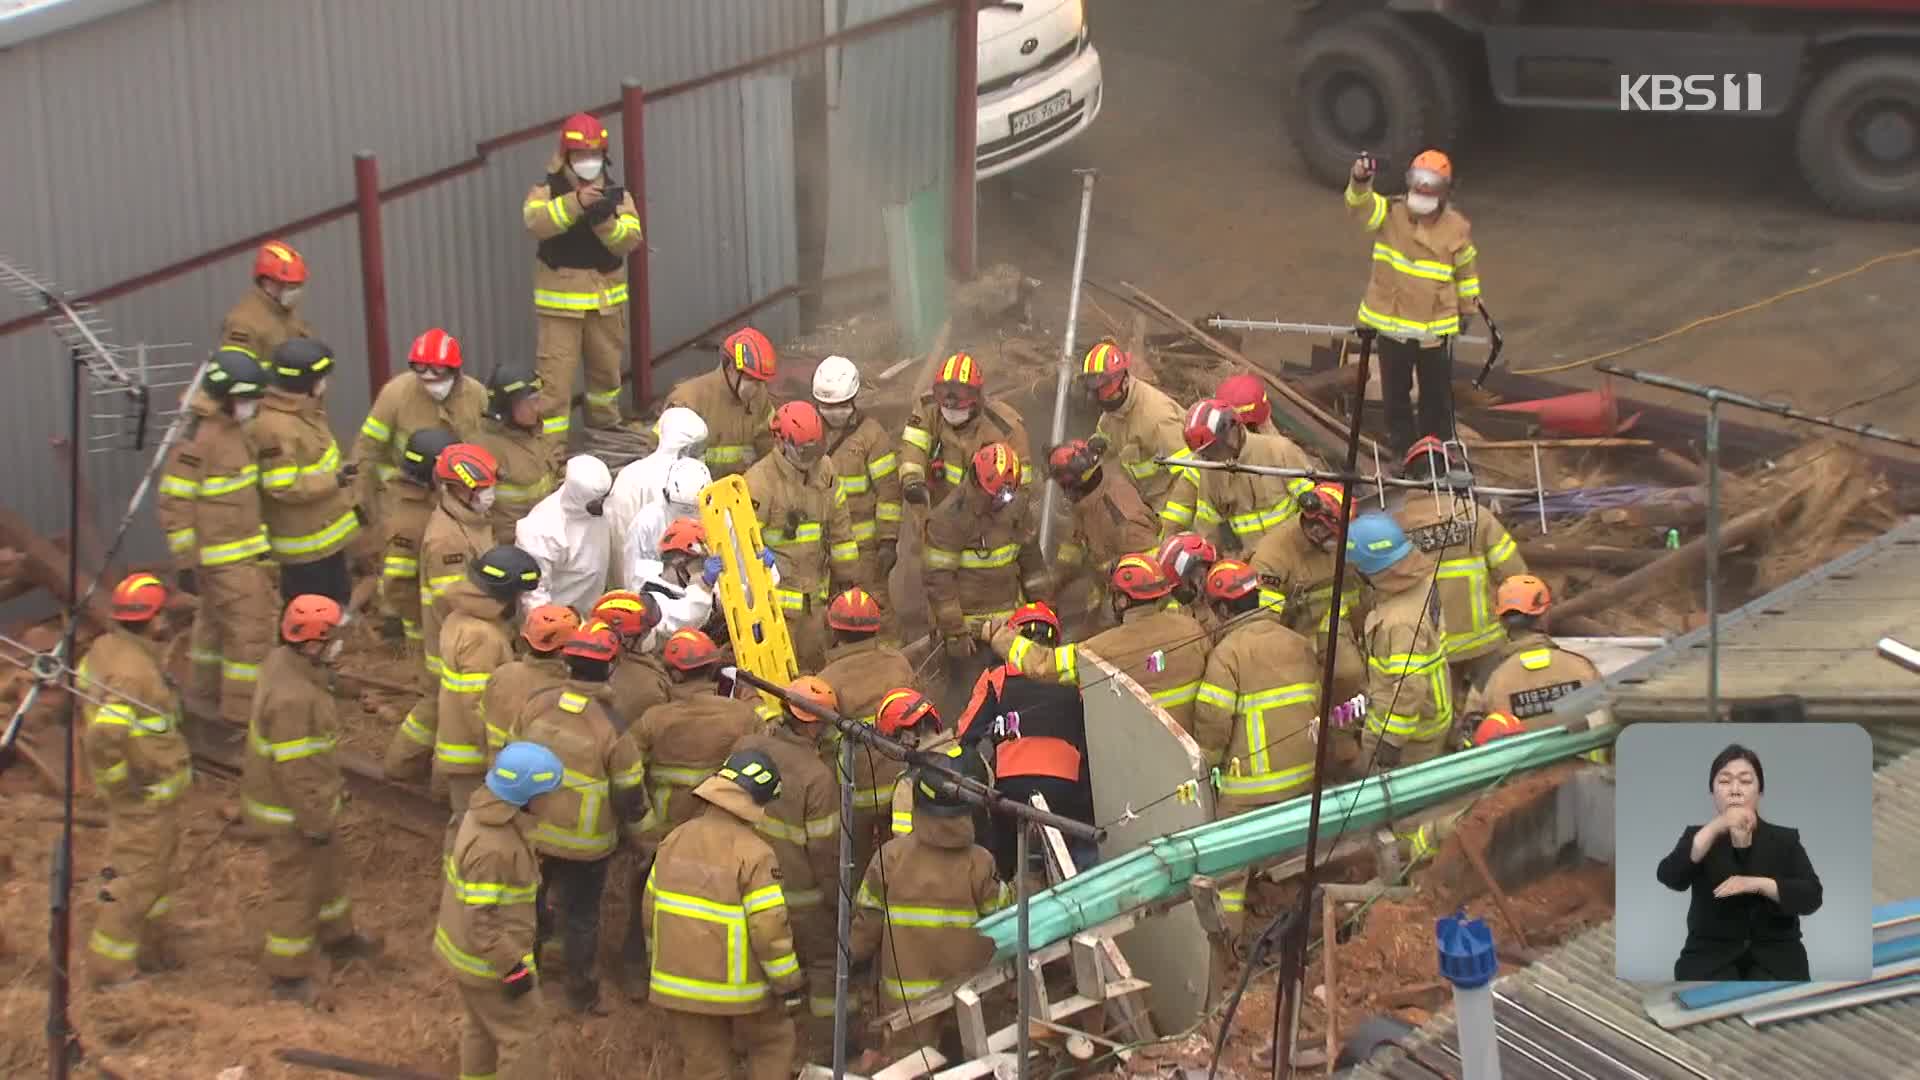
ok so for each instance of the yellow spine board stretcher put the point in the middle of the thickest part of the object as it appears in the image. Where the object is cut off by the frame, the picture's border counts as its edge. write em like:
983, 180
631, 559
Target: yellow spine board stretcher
754, 622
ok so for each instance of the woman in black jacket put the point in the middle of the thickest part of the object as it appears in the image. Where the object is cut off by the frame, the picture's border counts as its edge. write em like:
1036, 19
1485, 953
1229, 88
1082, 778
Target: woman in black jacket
1751, 882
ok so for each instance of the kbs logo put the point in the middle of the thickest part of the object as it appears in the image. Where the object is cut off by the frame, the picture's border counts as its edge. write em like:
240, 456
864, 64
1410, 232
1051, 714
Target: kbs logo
1690, 93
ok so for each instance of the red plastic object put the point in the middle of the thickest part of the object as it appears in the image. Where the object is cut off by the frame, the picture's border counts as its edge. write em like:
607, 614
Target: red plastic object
1587, 414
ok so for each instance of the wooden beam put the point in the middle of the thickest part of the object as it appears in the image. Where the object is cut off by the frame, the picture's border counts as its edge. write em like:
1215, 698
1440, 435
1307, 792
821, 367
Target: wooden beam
47, 566
1747, 526
1591, 556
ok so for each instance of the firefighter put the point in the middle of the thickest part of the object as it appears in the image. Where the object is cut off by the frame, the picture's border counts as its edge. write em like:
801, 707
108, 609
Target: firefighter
1475, 553
679, 580
736, 987
982, 558
545, 631
209, 505
457, 533
861, 667
486, 928
568, 535
141, 767
639, 680
292, 790
1138, 422
949, 426
522, 444
867, 469
306, 501
918, 901
1186, 557
410, 502
644, 480
579, 827
1295, 564
735, 400
268, 316
1492, 726
476, 638
1109, 517
585, 223
1162, 648
433, 393
681, 742
1246, 503
804, 520
1247, 393
1534, 671
1409, 692
1421, 292
908, 717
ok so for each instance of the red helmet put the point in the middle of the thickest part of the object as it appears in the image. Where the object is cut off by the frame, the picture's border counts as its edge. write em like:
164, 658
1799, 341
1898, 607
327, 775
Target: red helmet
798, 422
902, 709
1231, 579
1185, 556
137, 598
996, 468
582, 132
855, 610
1497, 725
1248, 396
959, 382
594, 641
467, 464
309, 618
690, 650
549, 626
1037, 612
749, 351
630, 614
1072, 463
1138, 577
1208, 422
435, 348
686, 536
277, 261
1324, 503
1104, 370
1428, 451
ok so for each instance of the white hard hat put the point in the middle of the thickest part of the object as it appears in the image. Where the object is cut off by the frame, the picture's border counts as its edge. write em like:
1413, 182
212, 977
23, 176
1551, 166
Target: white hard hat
685, 479
835, 381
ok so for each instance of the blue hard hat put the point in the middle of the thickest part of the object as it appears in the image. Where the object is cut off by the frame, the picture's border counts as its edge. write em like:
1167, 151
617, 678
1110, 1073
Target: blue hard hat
1376, 542
524, 770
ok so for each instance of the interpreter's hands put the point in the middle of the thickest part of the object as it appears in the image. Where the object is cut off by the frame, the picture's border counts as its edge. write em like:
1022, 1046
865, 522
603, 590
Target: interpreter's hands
1739, 885
1364, 167
1737, 822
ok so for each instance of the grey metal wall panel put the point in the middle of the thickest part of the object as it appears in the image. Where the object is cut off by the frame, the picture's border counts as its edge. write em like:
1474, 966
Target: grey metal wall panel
772, 229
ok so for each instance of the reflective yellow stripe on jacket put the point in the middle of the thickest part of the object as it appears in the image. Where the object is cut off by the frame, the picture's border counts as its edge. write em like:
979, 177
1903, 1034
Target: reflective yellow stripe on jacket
743, 983
1407, 666
557, 300
1258, 777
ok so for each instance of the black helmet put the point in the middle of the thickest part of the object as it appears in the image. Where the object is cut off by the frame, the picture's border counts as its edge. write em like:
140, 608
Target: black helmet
942, 800
234, 373
505, 571
422, 450
508, 385
754, 772
300, 363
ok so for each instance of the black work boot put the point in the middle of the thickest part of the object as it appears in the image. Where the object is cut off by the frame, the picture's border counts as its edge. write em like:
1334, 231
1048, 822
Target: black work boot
633, 973
354, 947
583, 994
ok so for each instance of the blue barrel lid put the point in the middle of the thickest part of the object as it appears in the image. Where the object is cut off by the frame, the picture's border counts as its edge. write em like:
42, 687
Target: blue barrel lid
1466, 950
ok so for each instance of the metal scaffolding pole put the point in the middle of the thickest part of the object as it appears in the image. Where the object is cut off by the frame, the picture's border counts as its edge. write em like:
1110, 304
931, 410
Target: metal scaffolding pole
1065, 378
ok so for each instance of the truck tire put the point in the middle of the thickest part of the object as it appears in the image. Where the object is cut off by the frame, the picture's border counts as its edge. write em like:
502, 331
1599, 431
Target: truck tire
1357, 88
1442, 67
1858, 137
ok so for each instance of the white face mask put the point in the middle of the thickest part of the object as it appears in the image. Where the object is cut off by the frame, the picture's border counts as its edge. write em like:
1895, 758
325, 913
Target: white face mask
438, 389
483, 499
1423, 204
587, 168
290, 295
836, 415
243, 410
956, 417
320, 389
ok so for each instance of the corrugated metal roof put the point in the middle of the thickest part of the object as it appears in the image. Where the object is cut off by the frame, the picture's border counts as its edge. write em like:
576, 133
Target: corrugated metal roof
1880, 1040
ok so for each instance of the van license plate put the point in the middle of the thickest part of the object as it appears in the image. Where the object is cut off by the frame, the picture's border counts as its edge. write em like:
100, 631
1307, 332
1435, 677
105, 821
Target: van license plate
1029, 118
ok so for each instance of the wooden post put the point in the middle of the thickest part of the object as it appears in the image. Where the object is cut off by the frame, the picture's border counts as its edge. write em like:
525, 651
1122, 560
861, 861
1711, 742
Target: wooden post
633, 147
373, 270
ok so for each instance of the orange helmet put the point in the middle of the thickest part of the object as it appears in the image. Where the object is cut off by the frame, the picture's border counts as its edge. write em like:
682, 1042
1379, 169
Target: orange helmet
1497, 725
1428, 451
1036, 614
902, 709
814, 689
1208, 421
798, 422
435, 348
685, 535
548, 627
309, 618
1104, 371
1431, 171
594, 641
1522, 594
690, 650
959, 382
467, 464
1185, 556
629, 614
277, 261
1231, 579
1139, 577
855, 610
1248, 396
582, 132
137, 598
996, 468
1072, 463
750, 353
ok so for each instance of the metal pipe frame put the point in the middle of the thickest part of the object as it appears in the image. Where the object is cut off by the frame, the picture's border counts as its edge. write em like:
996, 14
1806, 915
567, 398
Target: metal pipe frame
1731, 397
633, 150
1221, 322
1349, 477
1064, 378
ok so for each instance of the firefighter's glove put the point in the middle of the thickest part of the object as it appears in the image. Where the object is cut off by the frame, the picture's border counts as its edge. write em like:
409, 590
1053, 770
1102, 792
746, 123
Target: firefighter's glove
601, 210
613, 196
394, 629
187, 583
766, 558
710, 571
1466, 322
915, 491
518, 981
1098, 444
985, 628
793, 1004
1364, 167
348, 475
959, 647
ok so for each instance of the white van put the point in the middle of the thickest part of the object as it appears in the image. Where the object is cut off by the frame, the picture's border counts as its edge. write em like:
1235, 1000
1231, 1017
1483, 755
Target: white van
1039, 80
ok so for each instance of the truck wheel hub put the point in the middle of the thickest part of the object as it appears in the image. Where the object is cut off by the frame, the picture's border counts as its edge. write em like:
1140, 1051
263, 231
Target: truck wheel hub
1355, 108
1887, 134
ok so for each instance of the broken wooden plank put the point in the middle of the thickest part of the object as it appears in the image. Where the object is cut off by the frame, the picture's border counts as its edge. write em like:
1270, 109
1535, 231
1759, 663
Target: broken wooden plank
47, 566
1740, 530
1589, 556
1479, 860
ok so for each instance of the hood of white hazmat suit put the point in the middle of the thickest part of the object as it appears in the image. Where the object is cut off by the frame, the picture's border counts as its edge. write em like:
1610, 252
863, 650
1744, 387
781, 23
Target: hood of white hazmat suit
642, 481
573, 546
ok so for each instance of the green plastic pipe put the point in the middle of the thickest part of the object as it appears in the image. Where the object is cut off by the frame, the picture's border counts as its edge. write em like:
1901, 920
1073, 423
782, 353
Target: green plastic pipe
1160, 869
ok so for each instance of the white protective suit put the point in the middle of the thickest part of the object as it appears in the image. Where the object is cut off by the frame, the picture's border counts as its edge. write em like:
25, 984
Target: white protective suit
682, 434
678, 497
682, 607
573, 546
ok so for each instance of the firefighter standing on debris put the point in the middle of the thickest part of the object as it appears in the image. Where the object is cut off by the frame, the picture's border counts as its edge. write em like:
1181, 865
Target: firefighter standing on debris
141, 767
982, 557
1248, 504
1533, 671
1409, 691
585, 224
1295, 564
804, 520
1248, 396
868, 471
734, 987
306, 496
434, 393
861, 667
268, 316
523, 446
1421, 292
476, 639
410, 502
209, 506
1138, 422
486, 927
579, 826
908, 717
1109, 517
639, 681
457, 533
545, 631
949, 427
1475, 554
292, 790
736, 401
